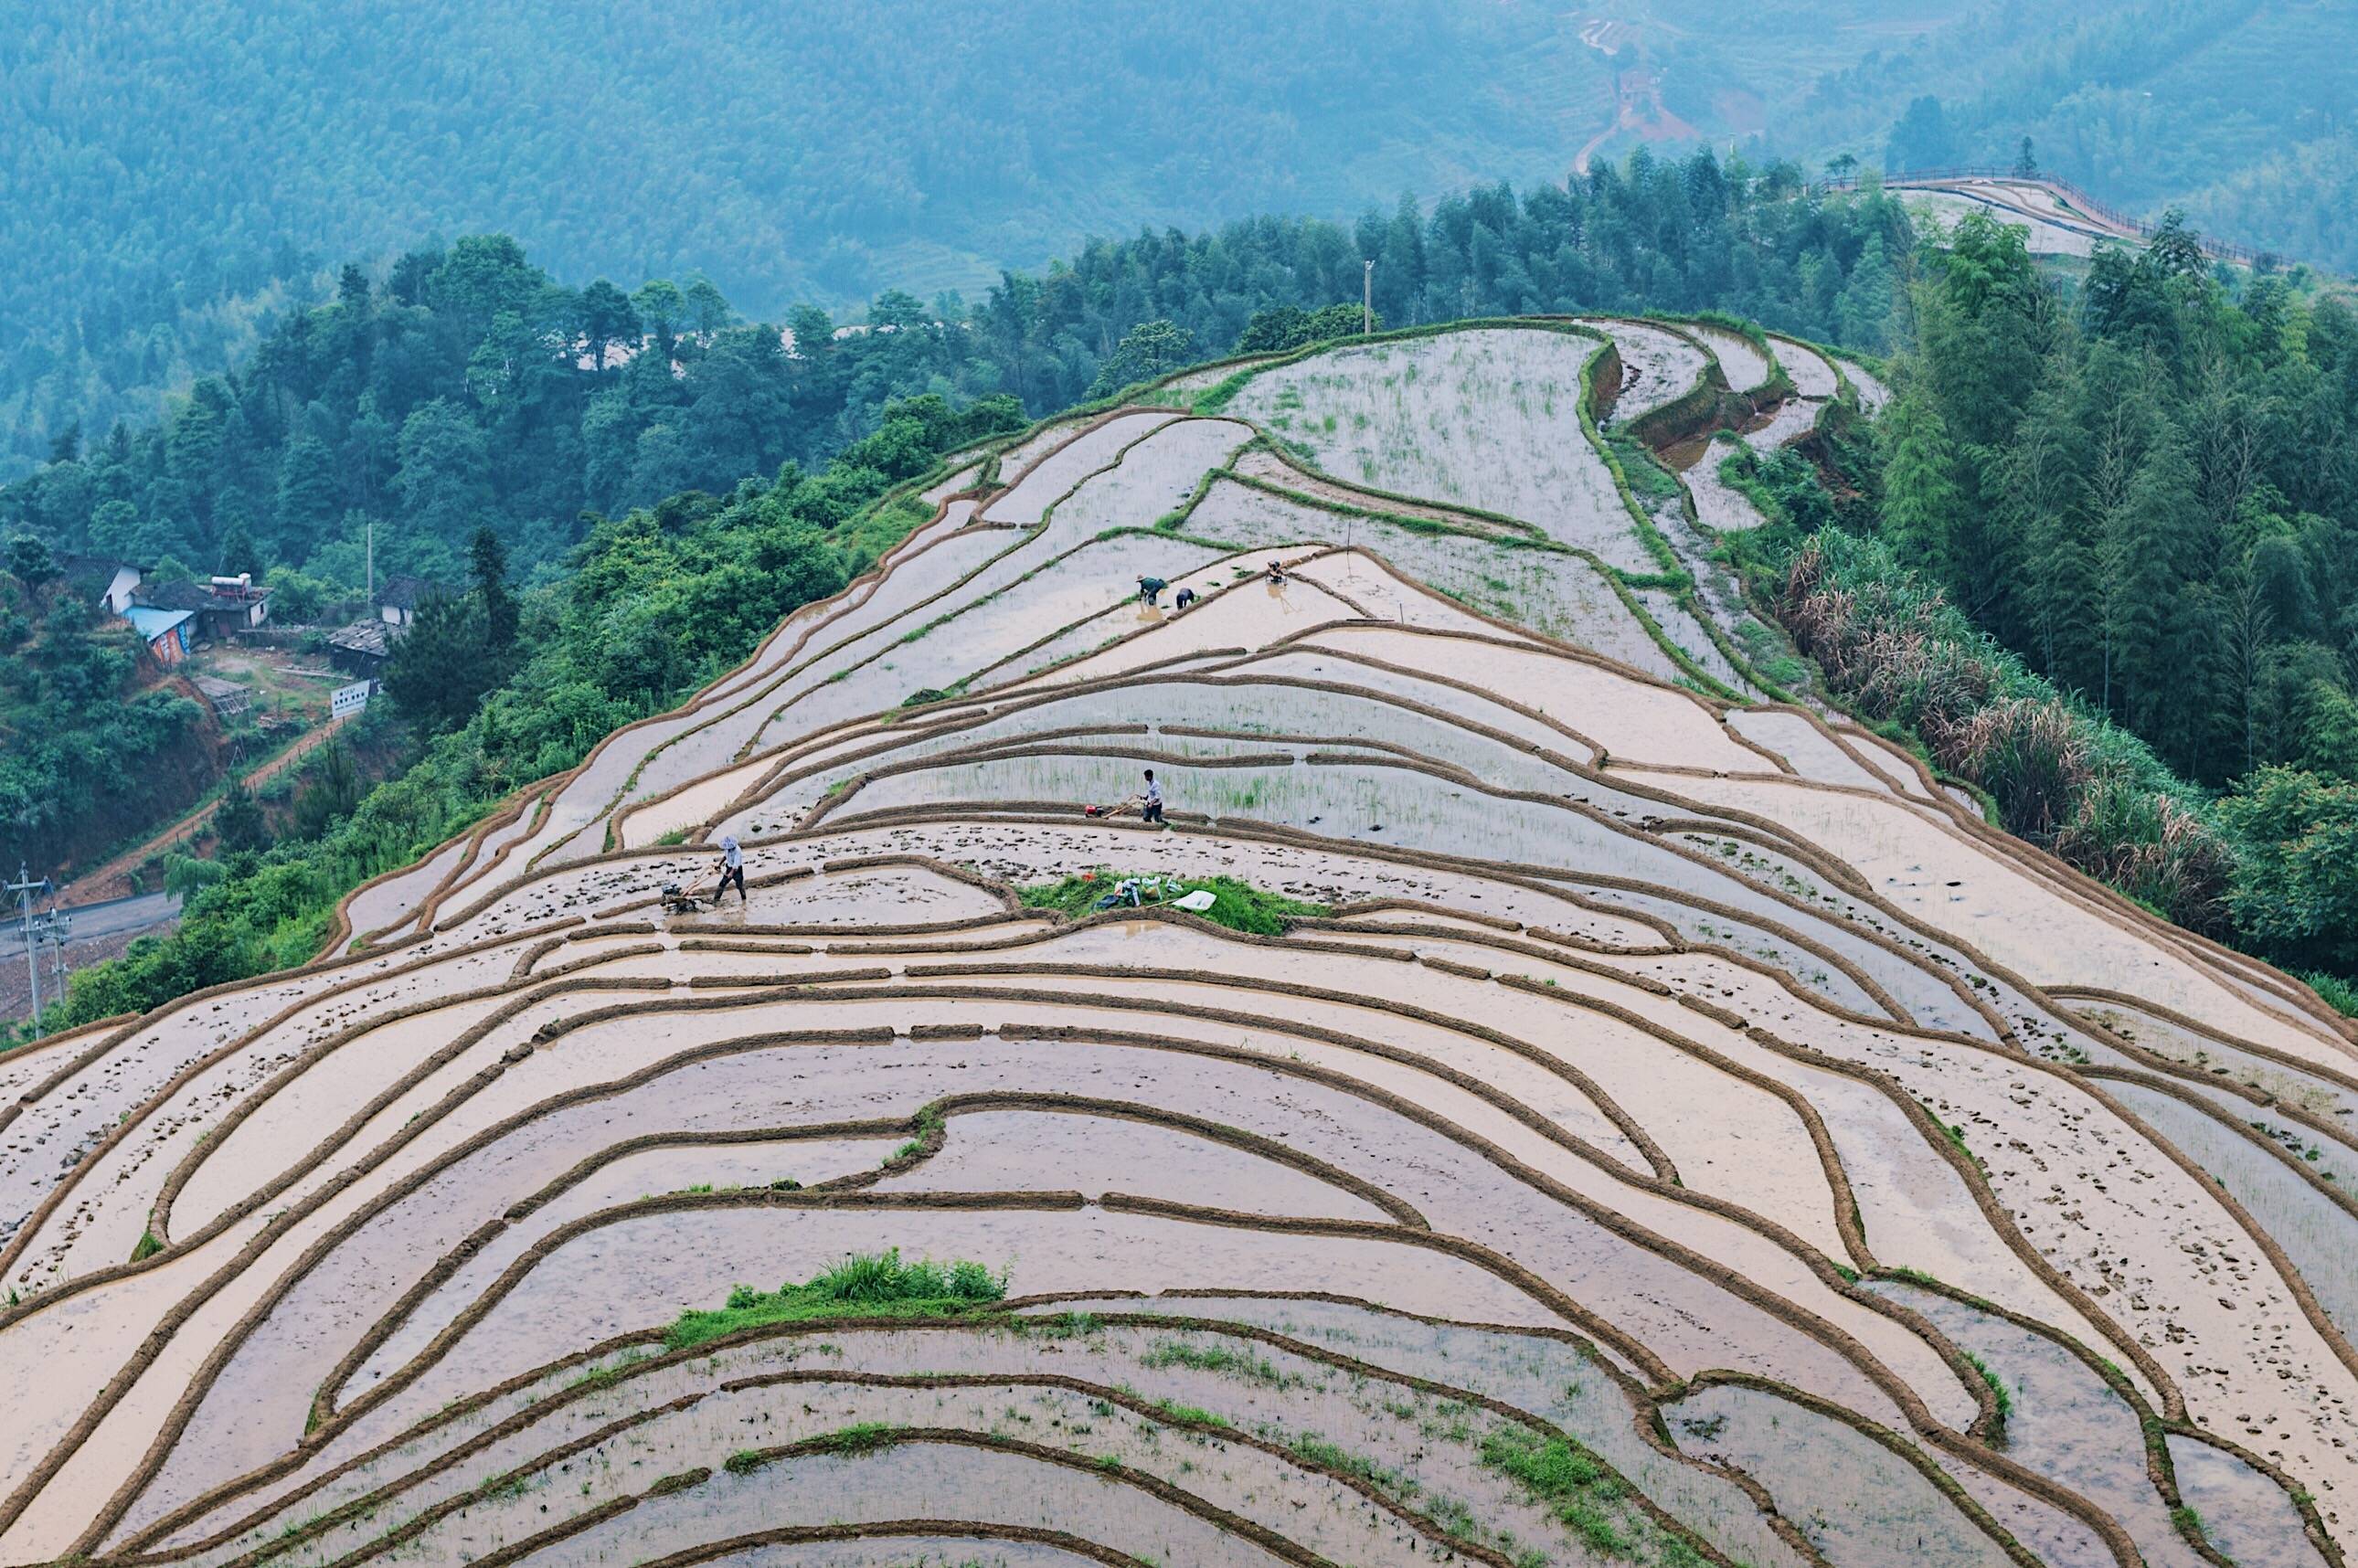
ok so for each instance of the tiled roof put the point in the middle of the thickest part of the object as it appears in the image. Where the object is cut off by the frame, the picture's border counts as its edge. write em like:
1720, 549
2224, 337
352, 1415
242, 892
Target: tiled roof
363, 637
404, 592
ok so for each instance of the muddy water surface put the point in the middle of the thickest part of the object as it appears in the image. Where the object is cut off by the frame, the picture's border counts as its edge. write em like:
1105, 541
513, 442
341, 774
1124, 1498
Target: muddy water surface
913, 1481
1557, 1380
2066, 1423
1851, 1497
1012, 1150
2245, 1515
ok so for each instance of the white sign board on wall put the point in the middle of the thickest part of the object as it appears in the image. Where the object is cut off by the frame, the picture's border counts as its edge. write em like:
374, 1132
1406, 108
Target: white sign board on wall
349, 699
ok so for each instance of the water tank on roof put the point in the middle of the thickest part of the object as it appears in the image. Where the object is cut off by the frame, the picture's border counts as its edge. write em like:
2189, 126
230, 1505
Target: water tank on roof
242, 580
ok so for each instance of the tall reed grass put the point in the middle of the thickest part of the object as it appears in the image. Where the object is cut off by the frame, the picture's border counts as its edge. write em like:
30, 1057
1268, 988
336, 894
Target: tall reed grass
2062, 777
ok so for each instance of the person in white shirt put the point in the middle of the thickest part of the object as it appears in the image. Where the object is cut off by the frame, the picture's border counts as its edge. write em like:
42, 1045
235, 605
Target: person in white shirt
732, 869
1147, 802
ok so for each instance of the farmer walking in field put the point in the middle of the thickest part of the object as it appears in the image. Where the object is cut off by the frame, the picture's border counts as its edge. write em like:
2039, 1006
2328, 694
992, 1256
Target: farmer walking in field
732, 870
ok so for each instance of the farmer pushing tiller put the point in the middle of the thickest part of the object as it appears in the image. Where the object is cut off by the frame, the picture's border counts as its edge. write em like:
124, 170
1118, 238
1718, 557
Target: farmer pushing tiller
1148, 803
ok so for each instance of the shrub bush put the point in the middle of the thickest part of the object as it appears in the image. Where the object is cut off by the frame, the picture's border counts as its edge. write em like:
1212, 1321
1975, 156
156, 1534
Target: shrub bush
2062, 777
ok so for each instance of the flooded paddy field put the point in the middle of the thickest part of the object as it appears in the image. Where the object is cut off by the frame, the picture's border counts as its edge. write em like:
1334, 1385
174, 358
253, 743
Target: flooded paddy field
1513, 1103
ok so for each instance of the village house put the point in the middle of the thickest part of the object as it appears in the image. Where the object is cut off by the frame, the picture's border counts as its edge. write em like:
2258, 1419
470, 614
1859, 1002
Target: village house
227, 699
101, 581
223, 607
398, 598
361, 648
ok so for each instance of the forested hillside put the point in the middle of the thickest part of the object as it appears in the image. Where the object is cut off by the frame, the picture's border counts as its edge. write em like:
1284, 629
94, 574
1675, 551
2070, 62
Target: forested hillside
2238, 111
188, 169
466, 390
2147, 492
2151, 495
188, 175
94, 738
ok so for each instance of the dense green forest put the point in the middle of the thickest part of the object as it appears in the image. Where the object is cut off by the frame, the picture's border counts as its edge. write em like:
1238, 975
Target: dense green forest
185, 177
470, 390
180, 175
2144, 494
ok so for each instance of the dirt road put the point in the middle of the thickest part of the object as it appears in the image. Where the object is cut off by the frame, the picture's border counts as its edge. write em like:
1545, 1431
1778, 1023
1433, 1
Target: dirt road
112, 879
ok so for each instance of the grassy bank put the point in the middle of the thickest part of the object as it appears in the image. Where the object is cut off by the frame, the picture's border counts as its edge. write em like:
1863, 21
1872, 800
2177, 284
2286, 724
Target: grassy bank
874, 1285
1240, 906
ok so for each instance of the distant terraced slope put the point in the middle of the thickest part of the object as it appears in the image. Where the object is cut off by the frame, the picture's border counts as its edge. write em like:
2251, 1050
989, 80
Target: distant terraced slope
1679, 1133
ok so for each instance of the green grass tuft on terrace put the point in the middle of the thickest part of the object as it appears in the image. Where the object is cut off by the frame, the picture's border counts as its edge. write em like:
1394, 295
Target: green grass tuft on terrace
1238, 905
871, 1285
1584, 1496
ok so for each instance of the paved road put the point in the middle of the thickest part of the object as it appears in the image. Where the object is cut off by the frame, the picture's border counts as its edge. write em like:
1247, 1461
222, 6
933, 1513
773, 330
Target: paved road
92, 920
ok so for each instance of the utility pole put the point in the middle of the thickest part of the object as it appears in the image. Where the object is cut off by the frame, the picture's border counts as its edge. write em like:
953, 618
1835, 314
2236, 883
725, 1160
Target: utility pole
1368, 298
25, 887
371, 537
56, 928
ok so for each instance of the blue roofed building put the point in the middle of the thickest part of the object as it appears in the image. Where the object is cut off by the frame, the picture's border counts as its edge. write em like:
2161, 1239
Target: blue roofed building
167, 631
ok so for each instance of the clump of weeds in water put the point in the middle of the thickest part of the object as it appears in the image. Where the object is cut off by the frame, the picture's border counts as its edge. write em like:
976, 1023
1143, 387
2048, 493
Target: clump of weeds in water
1998, 1391
1219, 1358
1574, 1485
929, 1122
866, 1437
1057, 1325
871, 1285
1177, 1414
853, 1442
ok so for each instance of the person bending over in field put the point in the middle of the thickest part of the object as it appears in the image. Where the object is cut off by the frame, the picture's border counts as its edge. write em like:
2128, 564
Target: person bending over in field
1148, 587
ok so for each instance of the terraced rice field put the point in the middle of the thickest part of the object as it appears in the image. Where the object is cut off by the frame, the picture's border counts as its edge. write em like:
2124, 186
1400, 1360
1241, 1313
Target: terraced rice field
1593, 1120
2054, 227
